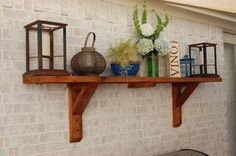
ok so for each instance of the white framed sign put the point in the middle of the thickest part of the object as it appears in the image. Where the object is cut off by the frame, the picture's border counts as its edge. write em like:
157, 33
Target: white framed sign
173, 61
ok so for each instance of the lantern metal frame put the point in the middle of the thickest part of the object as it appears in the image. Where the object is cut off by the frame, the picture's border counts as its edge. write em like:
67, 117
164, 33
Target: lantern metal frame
204, 72
186, 61
49, 27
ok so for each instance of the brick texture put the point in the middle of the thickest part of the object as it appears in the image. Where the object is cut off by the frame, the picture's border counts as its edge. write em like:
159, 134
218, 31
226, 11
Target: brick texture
118, 121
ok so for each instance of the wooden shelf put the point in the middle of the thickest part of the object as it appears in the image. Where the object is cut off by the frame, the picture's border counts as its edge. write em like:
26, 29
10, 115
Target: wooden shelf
97, 79
82, 88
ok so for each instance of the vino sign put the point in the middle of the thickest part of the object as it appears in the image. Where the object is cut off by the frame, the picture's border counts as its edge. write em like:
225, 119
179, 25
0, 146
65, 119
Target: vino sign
173, 61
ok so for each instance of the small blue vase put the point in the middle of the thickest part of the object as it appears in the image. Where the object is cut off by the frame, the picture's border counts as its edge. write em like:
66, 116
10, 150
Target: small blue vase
125, 70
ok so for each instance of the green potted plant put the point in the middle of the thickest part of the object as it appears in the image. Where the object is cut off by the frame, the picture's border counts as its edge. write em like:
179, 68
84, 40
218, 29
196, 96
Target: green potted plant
124, 58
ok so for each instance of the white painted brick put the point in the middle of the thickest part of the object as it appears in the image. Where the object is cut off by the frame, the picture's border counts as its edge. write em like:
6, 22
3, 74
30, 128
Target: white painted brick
25, 129
7, 152
118, 121
24, 98
7, 12
25, 108
64, 7
28, 4
55, 97
58, 146
30, 150
18, 4
19, 119
55, 7
72, 4
56, 126
18, 14
49, 117
51, 137
10, 76
129, 16
7, 3
1, 143
38, 6
5, 66
27, 140
91, 9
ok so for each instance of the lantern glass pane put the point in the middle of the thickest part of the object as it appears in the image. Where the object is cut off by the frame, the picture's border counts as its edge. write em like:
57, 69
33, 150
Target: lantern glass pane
33, 44
46, 44
45, 63
58, 43
33, 63
58, 63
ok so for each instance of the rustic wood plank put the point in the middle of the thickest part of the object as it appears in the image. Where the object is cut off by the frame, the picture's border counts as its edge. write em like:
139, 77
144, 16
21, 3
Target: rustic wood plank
115, 80
83, 99
141, 85
177, 110
79, 97
179, 97
186, 93
76, 130
75, 121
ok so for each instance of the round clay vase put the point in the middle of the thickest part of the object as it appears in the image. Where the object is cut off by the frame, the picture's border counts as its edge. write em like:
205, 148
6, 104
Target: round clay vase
88, 62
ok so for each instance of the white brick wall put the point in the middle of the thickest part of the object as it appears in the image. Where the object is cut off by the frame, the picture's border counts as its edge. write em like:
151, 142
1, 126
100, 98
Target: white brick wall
118, 121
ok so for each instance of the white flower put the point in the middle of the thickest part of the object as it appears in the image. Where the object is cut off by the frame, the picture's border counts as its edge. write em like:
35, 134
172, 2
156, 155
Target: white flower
145, 46
147, 29
162, 46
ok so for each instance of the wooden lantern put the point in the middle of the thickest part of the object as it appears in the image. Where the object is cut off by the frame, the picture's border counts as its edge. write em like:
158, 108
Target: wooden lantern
45, 28
205, 60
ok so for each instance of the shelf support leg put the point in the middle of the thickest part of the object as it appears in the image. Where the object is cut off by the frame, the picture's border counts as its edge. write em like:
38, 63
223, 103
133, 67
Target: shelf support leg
79, 97
179, 96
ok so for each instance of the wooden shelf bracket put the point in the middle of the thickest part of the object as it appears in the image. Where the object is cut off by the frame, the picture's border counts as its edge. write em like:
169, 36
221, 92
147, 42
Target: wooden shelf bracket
79, 97
180, 93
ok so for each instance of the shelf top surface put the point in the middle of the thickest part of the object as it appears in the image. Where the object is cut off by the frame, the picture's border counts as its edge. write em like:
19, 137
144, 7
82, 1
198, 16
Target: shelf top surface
115, 80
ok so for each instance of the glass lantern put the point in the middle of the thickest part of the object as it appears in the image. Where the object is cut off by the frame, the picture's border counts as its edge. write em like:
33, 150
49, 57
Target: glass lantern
205, 60
45, 60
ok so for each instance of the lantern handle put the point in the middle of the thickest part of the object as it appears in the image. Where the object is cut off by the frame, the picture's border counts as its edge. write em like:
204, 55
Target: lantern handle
94, 39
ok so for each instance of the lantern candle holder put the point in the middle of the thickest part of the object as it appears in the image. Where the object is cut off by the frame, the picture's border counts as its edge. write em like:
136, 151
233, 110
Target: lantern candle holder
185, 65
45, 56
205, 60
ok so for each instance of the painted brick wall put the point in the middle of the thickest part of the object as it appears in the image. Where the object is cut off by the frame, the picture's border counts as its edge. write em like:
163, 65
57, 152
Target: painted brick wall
118, 121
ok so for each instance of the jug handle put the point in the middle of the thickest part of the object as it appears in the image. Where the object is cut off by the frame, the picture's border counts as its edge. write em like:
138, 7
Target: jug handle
94, 39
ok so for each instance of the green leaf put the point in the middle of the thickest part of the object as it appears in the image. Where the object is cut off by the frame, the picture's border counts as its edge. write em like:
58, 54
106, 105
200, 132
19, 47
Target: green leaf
166, 20
144, 15
160, 25
136, 21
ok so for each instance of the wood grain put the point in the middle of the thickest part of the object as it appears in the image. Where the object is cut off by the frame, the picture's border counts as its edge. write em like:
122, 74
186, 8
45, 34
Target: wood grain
79, 98
114, 80
180, 93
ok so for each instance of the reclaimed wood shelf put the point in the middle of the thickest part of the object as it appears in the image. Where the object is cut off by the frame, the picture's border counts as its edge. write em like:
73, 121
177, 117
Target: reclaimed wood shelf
82, 88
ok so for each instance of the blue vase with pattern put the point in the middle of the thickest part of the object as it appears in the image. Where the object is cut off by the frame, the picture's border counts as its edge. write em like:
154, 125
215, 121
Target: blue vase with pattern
125, 70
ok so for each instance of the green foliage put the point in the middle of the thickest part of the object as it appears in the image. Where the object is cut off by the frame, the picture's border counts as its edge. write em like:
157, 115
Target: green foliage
136, 21
144, 15
160, 25
123, 52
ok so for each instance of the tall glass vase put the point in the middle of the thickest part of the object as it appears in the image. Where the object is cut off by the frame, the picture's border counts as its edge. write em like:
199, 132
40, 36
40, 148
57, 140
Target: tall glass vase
153, 69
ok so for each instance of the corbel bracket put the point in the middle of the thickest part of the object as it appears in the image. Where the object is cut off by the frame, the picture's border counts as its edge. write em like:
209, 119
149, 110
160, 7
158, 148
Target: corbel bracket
79, 97
180, 93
